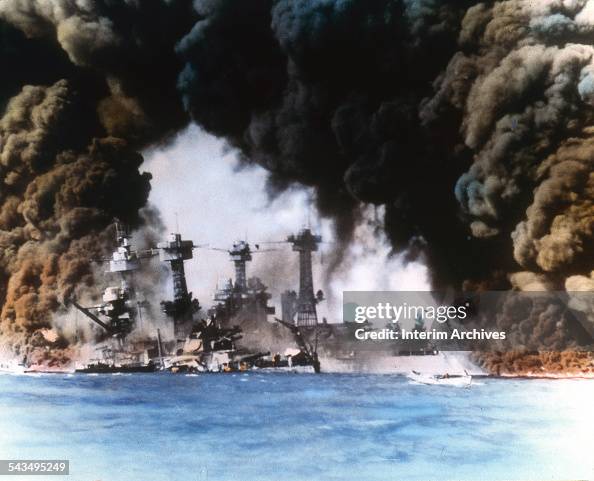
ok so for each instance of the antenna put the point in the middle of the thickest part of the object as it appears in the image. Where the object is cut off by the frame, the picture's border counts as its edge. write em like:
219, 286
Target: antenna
176, 223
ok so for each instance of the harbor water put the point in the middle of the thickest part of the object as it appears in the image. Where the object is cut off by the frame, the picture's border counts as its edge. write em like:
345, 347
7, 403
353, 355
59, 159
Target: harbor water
283, 427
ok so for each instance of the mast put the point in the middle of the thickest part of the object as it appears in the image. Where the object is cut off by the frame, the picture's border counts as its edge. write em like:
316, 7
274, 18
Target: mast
305, 242
175, 251
240, 254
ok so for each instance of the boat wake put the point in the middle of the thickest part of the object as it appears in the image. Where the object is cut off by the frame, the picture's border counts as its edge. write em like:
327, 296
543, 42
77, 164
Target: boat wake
441, 379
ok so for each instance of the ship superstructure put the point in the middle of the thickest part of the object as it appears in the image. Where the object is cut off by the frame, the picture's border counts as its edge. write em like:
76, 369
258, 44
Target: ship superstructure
300, 308
240, 254
238, 332
182, 308
120, 308
120, 311
245, 300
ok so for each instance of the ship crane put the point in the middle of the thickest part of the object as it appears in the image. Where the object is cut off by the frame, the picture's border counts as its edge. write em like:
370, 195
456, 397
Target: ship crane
310, 351
115, 328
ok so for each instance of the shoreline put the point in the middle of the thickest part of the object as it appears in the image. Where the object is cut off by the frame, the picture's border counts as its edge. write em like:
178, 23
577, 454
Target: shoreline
552, 376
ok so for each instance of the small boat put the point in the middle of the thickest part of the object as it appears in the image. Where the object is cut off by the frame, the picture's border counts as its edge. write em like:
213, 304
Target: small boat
13, 367
457, 380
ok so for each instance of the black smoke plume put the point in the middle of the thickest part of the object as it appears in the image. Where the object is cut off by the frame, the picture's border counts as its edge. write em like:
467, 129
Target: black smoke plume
329, 94
84, 86
470, 121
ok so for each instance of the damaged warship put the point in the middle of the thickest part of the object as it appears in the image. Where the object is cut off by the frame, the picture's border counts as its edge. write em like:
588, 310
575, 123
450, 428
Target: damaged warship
231, 337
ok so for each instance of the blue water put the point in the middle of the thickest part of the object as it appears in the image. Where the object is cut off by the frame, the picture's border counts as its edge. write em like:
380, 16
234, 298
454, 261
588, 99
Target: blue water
282, 427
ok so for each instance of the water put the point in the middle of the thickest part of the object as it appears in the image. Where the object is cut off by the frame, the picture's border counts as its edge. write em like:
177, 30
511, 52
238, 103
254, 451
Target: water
282, 427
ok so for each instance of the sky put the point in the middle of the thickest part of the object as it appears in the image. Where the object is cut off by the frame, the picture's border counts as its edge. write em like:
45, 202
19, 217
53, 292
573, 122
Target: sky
198, 185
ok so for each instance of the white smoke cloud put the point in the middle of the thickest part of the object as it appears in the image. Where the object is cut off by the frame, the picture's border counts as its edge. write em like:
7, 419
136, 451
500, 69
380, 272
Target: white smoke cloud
197, 185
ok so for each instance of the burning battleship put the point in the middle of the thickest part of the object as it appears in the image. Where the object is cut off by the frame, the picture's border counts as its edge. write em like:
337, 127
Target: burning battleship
235, 334
240, 331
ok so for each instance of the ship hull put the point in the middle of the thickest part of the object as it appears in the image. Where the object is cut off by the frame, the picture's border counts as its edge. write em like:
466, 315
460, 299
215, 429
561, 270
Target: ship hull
110, 369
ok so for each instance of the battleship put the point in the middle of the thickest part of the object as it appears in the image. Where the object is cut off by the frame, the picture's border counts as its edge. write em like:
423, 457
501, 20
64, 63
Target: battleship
239, 332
